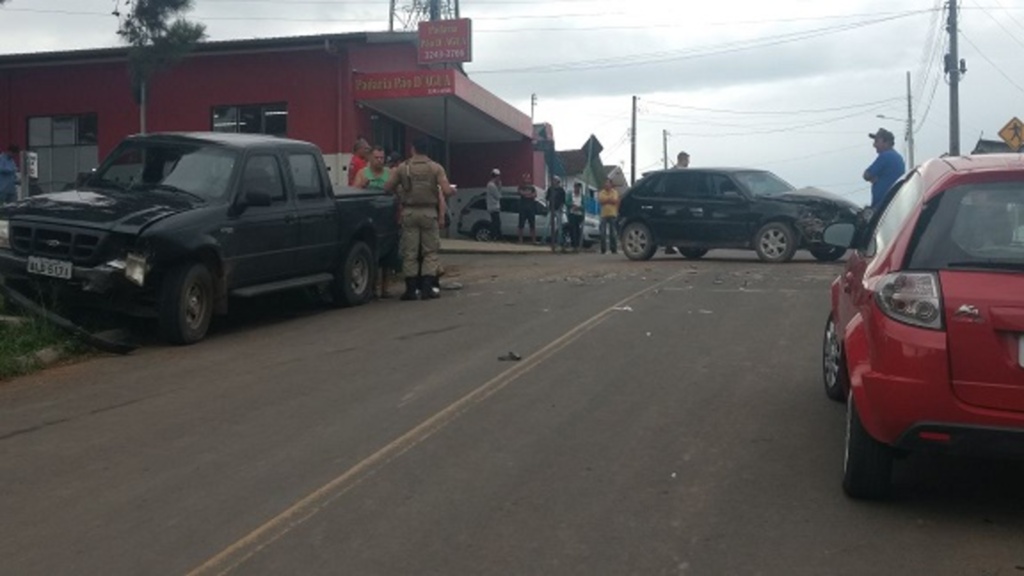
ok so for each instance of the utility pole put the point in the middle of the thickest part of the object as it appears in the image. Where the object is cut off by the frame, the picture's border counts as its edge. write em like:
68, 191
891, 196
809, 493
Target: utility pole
955, 68
632, 146
435, 9
910, 123
533, 105
391, 17
664, 149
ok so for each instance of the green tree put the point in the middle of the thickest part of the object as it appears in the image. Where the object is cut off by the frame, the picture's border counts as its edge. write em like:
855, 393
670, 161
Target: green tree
159, 37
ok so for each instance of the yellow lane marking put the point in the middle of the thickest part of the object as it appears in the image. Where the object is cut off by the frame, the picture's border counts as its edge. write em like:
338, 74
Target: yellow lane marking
250, 545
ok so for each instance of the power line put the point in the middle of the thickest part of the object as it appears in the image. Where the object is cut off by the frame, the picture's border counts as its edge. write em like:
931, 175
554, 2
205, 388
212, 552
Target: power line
1000, 24
993, 64
701, 52
778, 112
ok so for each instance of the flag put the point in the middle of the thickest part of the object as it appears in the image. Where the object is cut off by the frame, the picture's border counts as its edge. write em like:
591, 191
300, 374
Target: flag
593, 170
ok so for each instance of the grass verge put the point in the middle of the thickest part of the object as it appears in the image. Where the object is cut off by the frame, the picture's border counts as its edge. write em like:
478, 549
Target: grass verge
20, 341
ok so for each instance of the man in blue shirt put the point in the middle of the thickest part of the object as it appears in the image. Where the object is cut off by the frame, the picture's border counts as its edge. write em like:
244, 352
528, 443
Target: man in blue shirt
8, 176
887, 167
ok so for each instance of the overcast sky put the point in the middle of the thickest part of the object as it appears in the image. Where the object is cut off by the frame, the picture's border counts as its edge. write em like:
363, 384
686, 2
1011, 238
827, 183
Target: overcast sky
793, 86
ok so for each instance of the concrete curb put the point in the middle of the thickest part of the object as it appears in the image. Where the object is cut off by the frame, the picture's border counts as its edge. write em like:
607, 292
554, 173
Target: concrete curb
44, 358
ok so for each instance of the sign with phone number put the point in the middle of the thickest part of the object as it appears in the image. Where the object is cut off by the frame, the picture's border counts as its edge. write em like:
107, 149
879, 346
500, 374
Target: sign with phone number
442, 41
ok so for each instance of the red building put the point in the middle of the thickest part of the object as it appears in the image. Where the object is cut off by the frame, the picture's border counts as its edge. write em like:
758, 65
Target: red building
72, 108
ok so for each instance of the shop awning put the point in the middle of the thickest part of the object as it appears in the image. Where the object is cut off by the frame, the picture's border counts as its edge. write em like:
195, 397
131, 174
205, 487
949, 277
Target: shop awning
420, 99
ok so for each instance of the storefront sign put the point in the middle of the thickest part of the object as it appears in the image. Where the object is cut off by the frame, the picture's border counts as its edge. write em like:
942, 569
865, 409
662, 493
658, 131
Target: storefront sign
445, 41
418, 84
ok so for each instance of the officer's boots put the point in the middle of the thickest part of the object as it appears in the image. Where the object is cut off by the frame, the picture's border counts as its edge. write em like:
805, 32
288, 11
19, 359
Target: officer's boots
411, 289
429, 288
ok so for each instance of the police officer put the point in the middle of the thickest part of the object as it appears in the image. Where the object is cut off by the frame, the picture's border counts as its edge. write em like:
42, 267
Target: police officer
419, 179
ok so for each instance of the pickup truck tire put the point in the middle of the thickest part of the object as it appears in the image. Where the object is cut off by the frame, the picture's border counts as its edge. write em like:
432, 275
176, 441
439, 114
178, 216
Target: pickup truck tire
353, 283
186, 303
775, 242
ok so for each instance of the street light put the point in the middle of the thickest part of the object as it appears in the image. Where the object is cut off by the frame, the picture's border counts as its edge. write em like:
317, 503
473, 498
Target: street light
908, 136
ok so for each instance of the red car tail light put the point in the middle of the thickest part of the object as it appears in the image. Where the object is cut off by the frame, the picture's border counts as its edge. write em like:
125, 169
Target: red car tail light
912, 298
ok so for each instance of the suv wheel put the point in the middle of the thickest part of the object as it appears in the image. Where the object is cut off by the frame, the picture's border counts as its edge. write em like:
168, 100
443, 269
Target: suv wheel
775, 242
482, 232
186, 303
637, 242
827, 253
837, 379
867, 466
693, 253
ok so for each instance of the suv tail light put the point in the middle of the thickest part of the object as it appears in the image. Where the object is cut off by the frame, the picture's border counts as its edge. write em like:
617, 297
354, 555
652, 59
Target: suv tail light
912, 298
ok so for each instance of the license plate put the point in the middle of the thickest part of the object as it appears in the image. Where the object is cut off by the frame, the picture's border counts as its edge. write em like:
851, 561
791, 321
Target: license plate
48, 267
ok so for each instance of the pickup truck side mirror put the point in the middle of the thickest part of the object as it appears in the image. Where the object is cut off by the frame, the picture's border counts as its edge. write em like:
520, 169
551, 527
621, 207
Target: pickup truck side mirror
840, 234
251, 199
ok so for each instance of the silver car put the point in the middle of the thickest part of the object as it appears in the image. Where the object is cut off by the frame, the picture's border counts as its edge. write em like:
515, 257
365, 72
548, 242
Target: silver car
475, 221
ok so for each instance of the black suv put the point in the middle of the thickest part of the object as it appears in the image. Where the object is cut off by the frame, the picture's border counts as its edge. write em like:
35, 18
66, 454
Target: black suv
698, 209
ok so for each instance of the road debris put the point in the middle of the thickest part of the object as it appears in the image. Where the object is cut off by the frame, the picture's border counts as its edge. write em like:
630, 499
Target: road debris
623, 308
510, 357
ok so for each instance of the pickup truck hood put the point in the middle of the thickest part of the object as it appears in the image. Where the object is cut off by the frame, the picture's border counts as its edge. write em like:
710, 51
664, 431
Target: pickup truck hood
813, 194
107, 210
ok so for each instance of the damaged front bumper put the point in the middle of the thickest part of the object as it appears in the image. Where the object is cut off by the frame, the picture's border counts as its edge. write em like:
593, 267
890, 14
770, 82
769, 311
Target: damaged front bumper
100, 279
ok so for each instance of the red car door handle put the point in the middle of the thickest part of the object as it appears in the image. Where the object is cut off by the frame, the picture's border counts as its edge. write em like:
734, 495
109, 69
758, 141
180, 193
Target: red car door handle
847, 280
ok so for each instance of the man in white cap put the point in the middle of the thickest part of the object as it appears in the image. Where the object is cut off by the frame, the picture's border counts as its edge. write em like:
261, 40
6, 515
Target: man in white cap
494, 203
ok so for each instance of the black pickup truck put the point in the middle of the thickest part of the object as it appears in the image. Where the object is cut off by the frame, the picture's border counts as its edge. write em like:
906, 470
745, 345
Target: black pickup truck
172, 225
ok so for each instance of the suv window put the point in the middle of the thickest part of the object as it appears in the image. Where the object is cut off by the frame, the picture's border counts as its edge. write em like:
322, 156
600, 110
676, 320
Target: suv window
479, 204
720, 184
975, 225
263, 174
685, 184
306, 177
763, 183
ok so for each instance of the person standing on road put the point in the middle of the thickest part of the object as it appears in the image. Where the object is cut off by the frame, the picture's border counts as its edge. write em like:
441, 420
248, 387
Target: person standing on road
8, 175
575, 206
608, 198
886, 169
555, 197
527, 208
373, 177
494, 204
360, 159
420, 179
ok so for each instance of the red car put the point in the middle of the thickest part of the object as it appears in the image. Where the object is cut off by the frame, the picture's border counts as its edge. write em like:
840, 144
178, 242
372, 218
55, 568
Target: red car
925, 340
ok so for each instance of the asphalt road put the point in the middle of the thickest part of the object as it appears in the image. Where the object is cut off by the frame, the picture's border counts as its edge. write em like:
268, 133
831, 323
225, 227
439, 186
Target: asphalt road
666, 417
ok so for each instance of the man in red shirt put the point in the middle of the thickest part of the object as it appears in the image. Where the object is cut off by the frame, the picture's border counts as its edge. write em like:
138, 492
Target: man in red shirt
360, 159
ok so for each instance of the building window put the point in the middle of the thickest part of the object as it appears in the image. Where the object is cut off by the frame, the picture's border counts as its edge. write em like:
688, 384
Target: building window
252, 119
66, 147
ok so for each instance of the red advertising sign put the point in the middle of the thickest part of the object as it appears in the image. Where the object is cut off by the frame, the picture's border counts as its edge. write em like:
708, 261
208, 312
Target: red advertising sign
386, 85
445, 41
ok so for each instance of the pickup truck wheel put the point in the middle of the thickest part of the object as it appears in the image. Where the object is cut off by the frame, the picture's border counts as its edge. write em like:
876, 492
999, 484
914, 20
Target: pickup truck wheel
353, 283
186, 303
775, 242
835, 375
827, 253
637, 242
867, 466
693, 253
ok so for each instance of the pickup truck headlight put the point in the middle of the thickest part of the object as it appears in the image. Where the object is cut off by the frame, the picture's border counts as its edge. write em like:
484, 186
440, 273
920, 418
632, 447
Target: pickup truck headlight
135, 268
5, 234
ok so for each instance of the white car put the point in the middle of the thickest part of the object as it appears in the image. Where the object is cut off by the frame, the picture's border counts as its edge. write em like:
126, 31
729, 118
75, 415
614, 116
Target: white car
475, 221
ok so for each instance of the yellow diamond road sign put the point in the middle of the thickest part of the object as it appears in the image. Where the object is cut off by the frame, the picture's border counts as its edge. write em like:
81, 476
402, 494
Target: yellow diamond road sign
1013, 134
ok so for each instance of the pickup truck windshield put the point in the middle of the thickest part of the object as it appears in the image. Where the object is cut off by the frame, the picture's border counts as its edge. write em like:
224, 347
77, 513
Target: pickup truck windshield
762, 183
978, 226
202, 172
